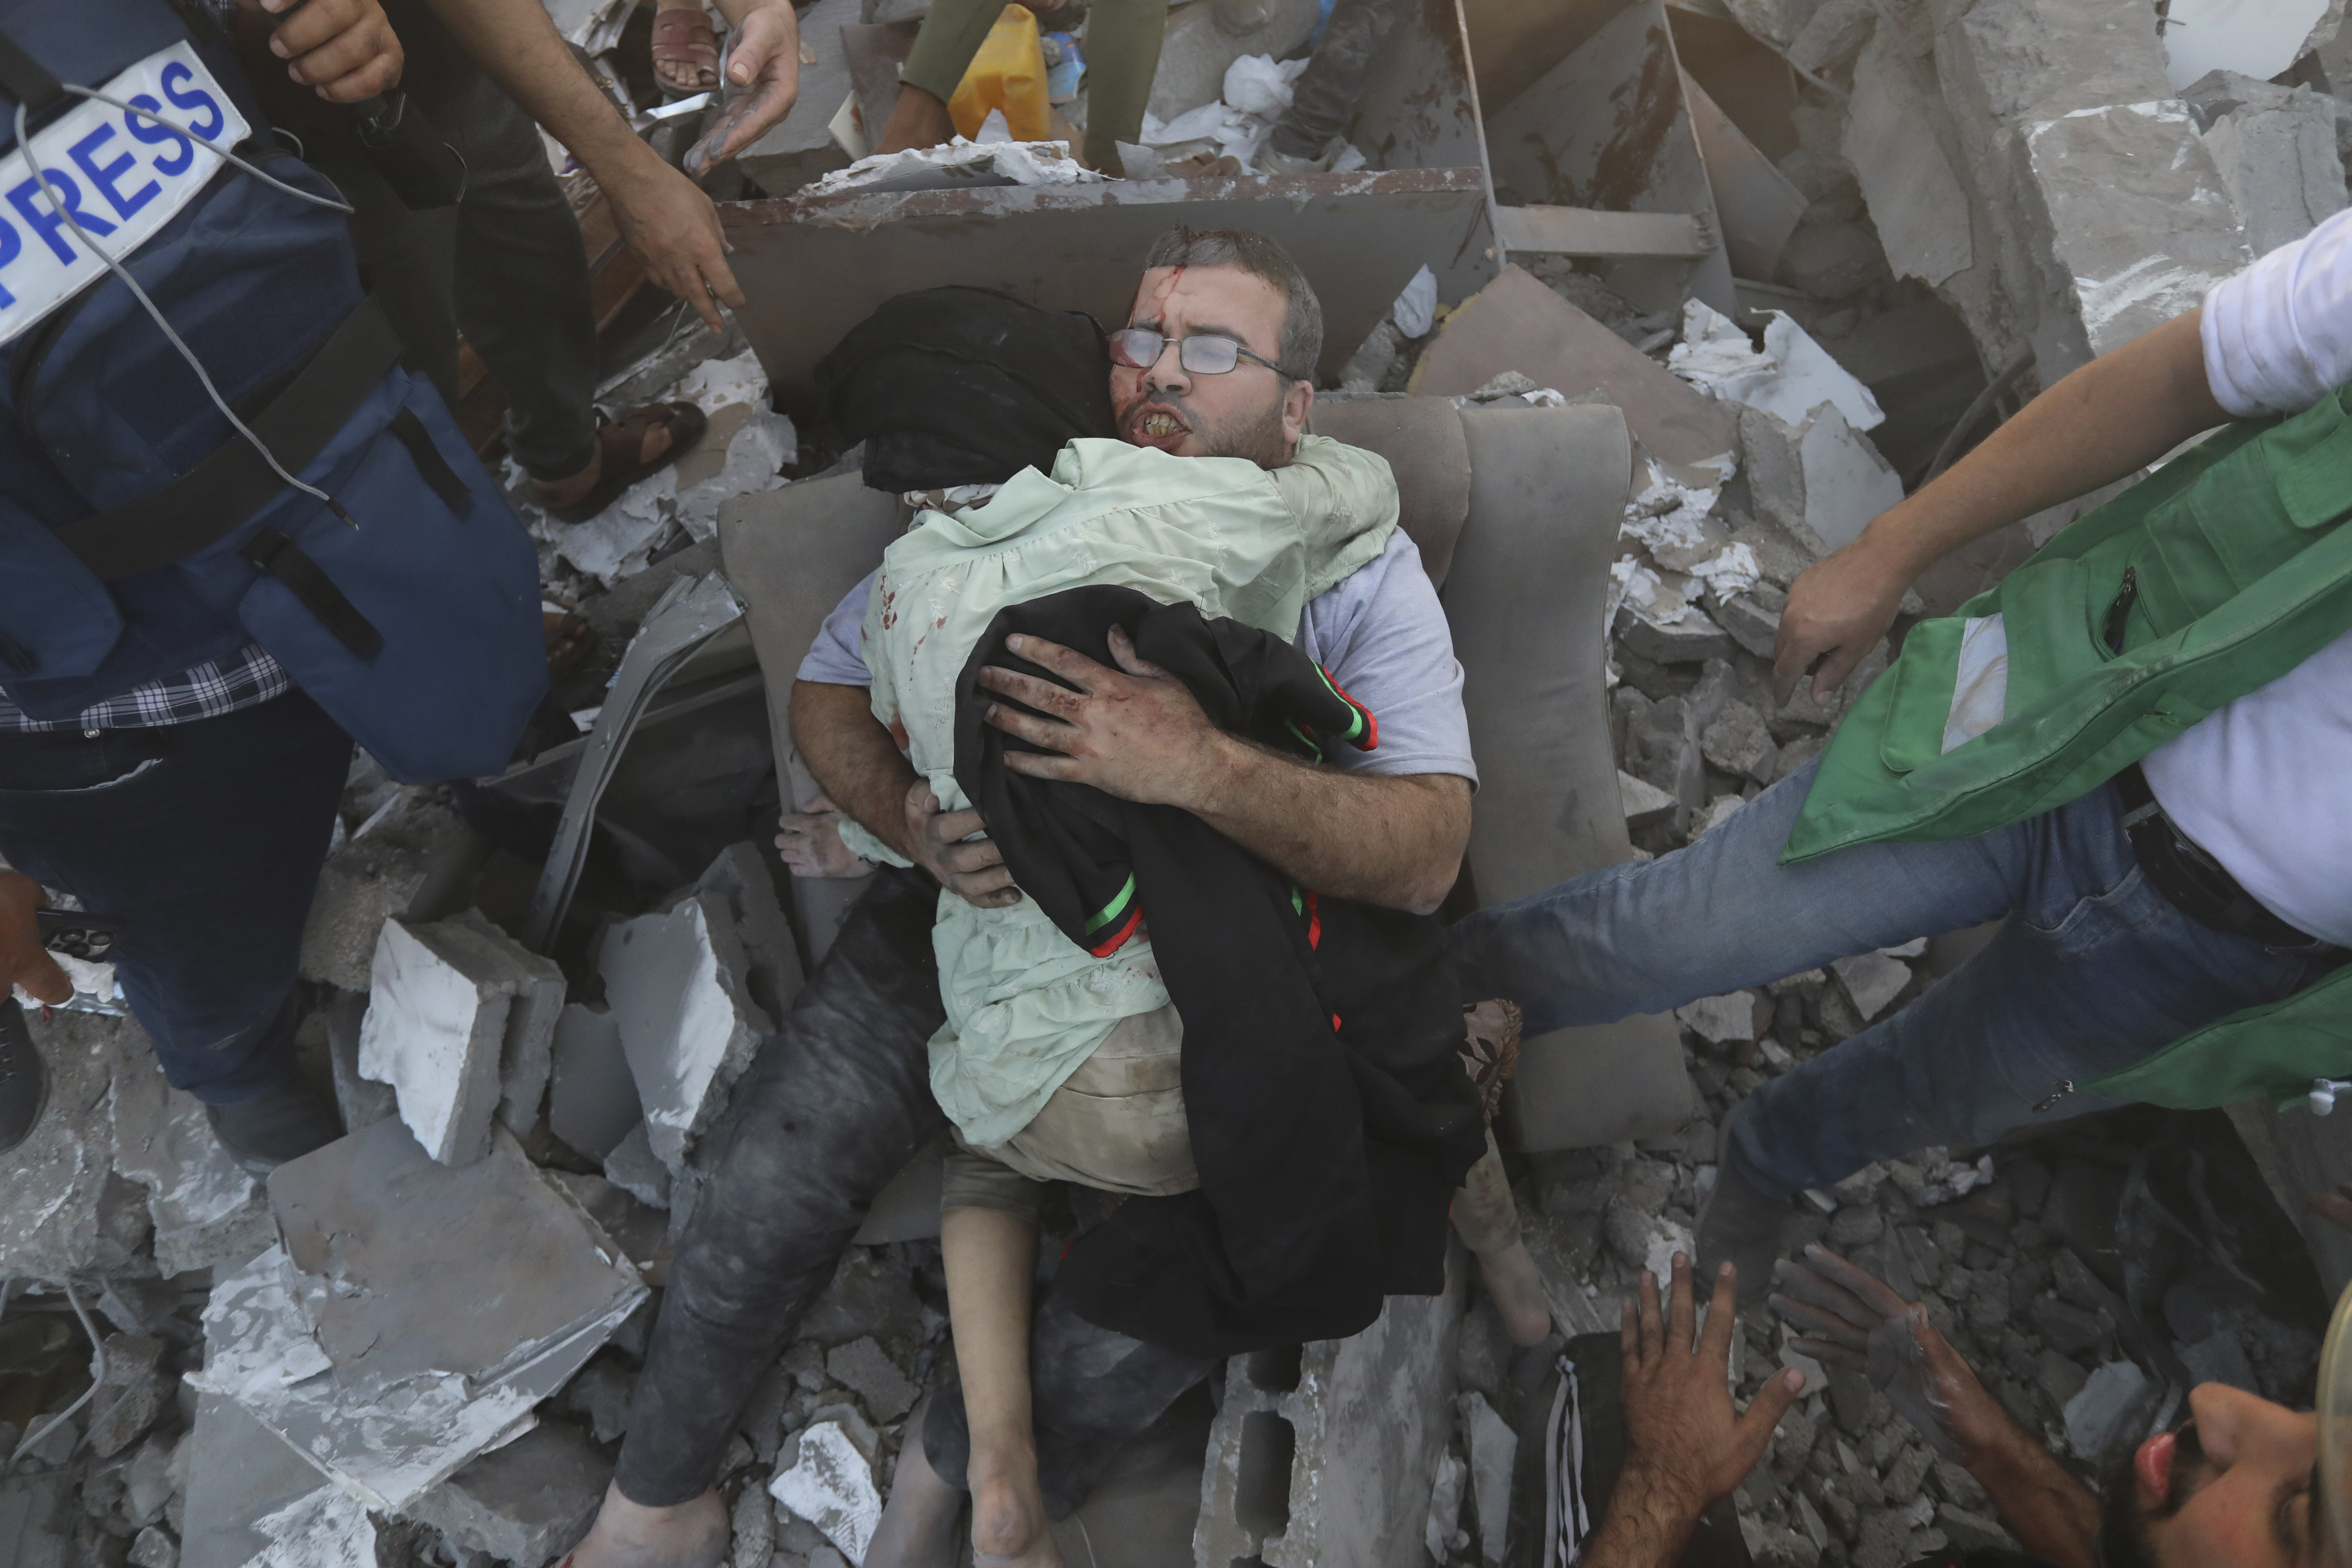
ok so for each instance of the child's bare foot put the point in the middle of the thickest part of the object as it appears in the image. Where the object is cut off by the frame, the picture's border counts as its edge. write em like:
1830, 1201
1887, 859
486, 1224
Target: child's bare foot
1512, 1279
629, 1535
1008, 1518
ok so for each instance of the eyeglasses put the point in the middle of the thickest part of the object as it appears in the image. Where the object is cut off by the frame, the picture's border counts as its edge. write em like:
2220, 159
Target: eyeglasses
1209, 354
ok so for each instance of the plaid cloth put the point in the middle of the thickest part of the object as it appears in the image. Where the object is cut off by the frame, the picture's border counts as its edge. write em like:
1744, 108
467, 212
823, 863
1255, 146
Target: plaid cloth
247, 678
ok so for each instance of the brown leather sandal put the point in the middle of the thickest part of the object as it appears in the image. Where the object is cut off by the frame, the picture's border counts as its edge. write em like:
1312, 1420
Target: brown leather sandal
683, 36
621, 440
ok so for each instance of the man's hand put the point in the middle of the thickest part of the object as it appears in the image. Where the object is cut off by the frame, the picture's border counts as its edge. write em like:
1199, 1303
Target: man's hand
1136, 732
1836, 613
811, 843
24, 961
763, 67
342, 50
673, 227
973, 871
2335, 1207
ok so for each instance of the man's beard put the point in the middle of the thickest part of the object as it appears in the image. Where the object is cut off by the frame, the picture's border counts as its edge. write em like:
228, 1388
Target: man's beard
2125, 1539
1258, 438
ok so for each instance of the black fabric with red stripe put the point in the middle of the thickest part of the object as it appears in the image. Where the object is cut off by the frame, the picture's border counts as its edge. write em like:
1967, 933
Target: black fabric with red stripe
1330, 1117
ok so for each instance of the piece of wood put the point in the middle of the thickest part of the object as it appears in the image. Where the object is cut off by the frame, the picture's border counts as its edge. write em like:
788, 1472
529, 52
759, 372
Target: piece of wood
1518, 324
1584, 231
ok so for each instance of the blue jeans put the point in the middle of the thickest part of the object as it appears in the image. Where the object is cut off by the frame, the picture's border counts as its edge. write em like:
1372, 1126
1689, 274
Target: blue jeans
2092, 970
204, 839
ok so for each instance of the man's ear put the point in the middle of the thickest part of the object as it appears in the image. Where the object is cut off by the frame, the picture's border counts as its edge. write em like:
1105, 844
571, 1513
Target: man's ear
1296, 405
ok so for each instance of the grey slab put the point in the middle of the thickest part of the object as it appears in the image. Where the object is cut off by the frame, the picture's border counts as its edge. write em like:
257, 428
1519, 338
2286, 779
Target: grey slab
679, 987
240, 1472
525, 1502
1587, 231
435, 1026
1757, 206
363, 1101
592, 1101
208, 1210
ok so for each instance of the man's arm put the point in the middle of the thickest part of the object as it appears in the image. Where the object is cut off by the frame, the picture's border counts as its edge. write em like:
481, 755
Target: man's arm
2116, 414
864, 773
1847, 1315
1684, 1445
665, 217
1137, 733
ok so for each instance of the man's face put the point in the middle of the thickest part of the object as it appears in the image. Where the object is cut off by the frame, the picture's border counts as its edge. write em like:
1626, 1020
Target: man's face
1248, 412
2234, 1488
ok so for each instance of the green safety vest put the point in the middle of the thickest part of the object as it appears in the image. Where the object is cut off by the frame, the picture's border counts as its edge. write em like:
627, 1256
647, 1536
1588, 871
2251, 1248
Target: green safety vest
2241, 570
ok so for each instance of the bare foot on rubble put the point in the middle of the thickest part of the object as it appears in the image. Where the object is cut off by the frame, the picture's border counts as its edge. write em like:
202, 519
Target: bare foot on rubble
629, 1535
917, 1528
1008, 1521
1512, 1279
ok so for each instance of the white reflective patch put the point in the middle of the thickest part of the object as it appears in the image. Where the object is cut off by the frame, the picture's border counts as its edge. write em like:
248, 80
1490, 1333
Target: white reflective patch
122, 177
1980, 687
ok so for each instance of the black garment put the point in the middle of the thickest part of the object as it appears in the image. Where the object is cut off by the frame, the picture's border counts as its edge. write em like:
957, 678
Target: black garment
966, 386
1330, 1117
837, 1101
1324, 100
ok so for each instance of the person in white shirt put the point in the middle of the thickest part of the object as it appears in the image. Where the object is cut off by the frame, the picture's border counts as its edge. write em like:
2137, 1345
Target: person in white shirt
2093, 968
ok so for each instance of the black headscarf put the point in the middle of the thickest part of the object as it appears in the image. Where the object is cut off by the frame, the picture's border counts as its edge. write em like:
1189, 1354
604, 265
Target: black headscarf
965, 386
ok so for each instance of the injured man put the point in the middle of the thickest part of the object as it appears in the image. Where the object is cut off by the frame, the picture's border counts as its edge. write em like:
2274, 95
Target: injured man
1262, 1096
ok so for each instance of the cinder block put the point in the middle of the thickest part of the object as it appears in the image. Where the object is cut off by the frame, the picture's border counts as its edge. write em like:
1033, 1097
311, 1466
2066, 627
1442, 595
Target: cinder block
1326, 1454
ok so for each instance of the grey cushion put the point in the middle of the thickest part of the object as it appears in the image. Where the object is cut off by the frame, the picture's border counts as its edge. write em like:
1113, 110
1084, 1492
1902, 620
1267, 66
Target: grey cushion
1422, 439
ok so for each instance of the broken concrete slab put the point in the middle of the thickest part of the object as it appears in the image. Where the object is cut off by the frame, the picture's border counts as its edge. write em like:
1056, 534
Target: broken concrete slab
1752, 618
416, 1312
403, 859
1739, 742
363, 1101
1915, 199
523, 1503
1755, 203
128, 1398
773, 965
1821, 480
678, 986
1644, 803
1516, 323
1328, 1453
592, 1102
77, 1215
2100, 1416
1686, 637
2277, 149
861, 1367
460, 1021
829, 1482
239, 1475
208, 1210
1872, 980
1720, 1019
632, 1167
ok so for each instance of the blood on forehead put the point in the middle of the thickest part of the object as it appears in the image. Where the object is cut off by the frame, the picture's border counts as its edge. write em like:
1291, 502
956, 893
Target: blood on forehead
1166, 289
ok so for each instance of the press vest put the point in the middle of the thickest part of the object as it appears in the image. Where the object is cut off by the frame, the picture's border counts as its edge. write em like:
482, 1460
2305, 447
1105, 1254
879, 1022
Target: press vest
2227, 569
140, 535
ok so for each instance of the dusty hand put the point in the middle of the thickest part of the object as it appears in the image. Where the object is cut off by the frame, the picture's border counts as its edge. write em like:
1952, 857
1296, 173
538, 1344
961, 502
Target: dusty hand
1836, 613
1138, 734
2335, 1207
1847, 1315
973, 871
343, 49
23, 960
763, 65
811, 843
1682, 1437
670, 222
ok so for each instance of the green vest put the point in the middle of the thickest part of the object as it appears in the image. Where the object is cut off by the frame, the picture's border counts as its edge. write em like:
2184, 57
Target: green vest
2242, 572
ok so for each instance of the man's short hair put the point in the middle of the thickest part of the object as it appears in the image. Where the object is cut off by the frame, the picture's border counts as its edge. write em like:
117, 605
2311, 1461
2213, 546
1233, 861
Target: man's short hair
1254, 253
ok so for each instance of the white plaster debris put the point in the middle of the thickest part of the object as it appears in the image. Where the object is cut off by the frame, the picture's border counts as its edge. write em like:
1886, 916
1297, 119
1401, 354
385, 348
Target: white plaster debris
830, 1484
326, 1528
718, 383
1256, 90
959, 162
764, 443
208, 1210
1415, 310
2093, 1415
1820, 480
1788, 378
1718, 1019
1872, 980
676, 985
1932, 1176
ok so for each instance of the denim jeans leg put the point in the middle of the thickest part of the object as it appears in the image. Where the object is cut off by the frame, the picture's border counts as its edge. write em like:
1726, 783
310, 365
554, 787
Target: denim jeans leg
1649, 936
204, 839
2093, 971
835, 1104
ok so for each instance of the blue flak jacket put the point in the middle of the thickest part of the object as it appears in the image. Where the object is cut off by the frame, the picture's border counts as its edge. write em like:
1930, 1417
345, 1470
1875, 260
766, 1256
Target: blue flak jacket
408, 609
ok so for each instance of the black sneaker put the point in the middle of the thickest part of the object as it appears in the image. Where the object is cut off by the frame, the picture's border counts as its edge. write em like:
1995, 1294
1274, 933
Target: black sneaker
275, 1126
1737, 1225
24, 1080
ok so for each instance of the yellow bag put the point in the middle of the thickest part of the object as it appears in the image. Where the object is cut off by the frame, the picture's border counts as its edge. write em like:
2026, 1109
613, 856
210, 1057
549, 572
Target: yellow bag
1009, 73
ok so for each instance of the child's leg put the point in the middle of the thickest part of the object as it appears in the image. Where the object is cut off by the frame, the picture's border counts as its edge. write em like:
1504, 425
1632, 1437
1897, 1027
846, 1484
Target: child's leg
1488, 1221
991, 1256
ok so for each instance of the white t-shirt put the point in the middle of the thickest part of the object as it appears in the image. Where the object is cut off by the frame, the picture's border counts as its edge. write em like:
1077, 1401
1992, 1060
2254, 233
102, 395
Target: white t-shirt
1380, 633
2266, 784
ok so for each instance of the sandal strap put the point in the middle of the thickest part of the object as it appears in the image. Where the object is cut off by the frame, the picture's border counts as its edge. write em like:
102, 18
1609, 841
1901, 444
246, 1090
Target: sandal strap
686, 32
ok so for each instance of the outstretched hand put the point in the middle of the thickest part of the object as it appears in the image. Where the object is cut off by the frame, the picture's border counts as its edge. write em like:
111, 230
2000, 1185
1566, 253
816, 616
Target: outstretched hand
1681, 1432
24, 961
1837, 611
1137, 732
763, 71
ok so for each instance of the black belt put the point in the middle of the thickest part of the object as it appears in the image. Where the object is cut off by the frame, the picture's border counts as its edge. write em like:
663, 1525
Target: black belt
2190, 880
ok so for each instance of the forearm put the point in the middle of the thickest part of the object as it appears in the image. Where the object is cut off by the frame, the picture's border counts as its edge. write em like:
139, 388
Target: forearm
2112, 416
854, 759
1392, 840
518, 46
1648, 1525
2053, 1516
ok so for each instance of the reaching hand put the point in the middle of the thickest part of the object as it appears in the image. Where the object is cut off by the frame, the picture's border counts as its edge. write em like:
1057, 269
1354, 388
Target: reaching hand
810, 845
23, 960
1846, 1315
1682, 1440
673, 227
763, 65
942, 843
343, 49
1137, 732
1836, 613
